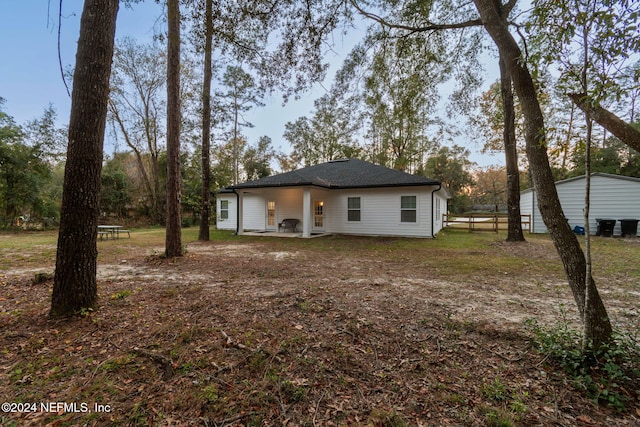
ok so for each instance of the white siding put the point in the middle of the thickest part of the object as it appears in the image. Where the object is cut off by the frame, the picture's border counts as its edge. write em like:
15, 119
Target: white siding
611, 197
231, 222
380, 212
529, 206
288, 204
440, 208
255, 211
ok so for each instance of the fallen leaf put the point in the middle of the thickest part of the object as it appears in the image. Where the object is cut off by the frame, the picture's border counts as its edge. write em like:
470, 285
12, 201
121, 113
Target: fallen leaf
585, 419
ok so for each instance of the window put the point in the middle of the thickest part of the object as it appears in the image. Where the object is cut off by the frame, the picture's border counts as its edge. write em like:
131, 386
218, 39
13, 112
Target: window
318, 214
408, 209
353, 209
271, 214
224, 209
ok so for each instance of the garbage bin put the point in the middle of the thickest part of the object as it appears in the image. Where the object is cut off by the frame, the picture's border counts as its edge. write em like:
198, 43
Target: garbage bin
605, 227
578, 230
629, 227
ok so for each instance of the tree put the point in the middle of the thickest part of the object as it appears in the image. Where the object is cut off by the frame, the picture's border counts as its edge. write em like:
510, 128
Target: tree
597, 327
75, 287
487, 124
614, 124
450, 165
592, 40
241, 95
490, 188
222, 171
301, 137
23, 172
514, 225
496, 123
205, 214
136, 110
257, 160
173, 245
610, 39
43, 135
399, 94
614, 157
327, 135
191, 184
27, 157
114, 194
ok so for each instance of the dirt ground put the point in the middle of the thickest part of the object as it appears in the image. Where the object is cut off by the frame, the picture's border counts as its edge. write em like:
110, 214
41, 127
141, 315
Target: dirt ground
258, 332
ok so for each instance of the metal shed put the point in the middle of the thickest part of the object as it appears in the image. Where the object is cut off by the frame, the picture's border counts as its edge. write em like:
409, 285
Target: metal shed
612, 196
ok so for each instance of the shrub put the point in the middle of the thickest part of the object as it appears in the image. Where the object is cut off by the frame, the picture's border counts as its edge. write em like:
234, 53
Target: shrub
601, 374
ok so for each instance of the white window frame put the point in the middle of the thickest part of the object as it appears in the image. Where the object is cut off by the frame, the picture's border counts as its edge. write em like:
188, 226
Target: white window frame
405, 209
224, 211
358, 209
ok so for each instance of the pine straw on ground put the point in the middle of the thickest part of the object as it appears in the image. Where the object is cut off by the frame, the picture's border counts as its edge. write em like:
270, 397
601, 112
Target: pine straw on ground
240, 334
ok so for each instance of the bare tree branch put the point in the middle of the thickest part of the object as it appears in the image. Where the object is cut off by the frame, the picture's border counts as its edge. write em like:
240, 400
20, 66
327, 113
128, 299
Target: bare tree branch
412, 29
59, 54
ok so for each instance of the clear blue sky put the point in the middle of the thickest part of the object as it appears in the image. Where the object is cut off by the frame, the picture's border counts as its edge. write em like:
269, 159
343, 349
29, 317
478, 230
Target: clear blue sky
30, 72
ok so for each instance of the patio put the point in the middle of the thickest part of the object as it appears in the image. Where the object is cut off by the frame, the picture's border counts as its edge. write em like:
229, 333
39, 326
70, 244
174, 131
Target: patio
266, 233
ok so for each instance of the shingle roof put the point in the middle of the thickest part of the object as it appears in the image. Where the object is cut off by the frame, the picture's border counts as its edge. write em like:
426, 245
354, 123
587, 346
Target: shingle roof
337, 174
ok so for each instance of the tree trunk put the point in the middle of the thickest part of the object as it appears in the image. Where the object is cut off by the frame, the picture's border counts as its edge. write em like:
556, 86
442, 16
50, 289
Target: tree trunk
203, 233
152, 191
514, 227
75, 287
614, 124
597, 325
174, 221
587, 229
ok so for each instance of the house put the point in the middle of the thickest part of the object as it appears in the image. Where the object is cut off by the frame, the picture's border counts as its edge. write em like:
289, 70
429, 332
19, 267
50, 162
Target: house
612, 197
345, 196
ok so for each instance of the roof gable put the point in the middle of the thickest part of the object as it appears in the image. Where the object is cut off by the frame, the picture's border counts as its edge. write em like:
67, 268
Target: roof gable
338, 174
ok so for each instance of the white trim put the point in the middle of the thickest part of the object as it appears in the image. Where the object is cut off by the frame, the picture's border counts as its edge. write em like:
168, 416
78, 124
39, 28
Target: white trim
306, 213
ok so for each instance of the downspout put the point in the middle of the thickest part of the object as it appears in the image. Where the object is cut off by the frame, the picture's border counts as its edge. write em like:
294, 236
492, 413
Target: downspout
433, 221
237, 211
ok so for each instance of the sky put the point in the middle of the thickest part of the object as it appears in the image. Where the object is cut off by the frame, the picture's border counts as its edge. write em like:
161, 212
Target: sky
30, 77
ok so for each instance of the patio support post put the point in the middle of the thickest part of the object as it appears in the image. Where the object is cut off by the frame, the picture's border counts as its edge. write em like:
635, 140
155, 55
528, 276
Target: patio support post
306, 213
240, 221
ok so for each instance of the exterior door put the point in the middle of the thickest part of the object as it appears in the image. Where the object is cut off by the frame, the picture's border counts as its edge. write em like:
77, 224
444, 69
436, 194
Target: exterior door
318, 215
271, 216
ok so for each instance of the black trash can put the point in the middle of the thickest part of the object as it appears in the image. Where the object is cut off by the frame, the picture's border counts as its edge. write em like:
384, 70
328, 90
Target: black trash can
605, 227
629, 227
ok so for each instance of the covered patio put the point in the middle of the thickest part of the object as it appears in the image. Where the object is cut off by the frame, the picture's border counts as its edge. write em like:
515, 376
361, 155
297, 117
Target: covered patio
267, 233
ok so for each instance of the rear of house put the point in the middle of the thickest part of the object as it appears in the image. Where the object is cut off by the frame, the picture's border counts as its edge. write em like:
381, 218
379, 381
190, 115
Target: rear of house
337, 197
612, 197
